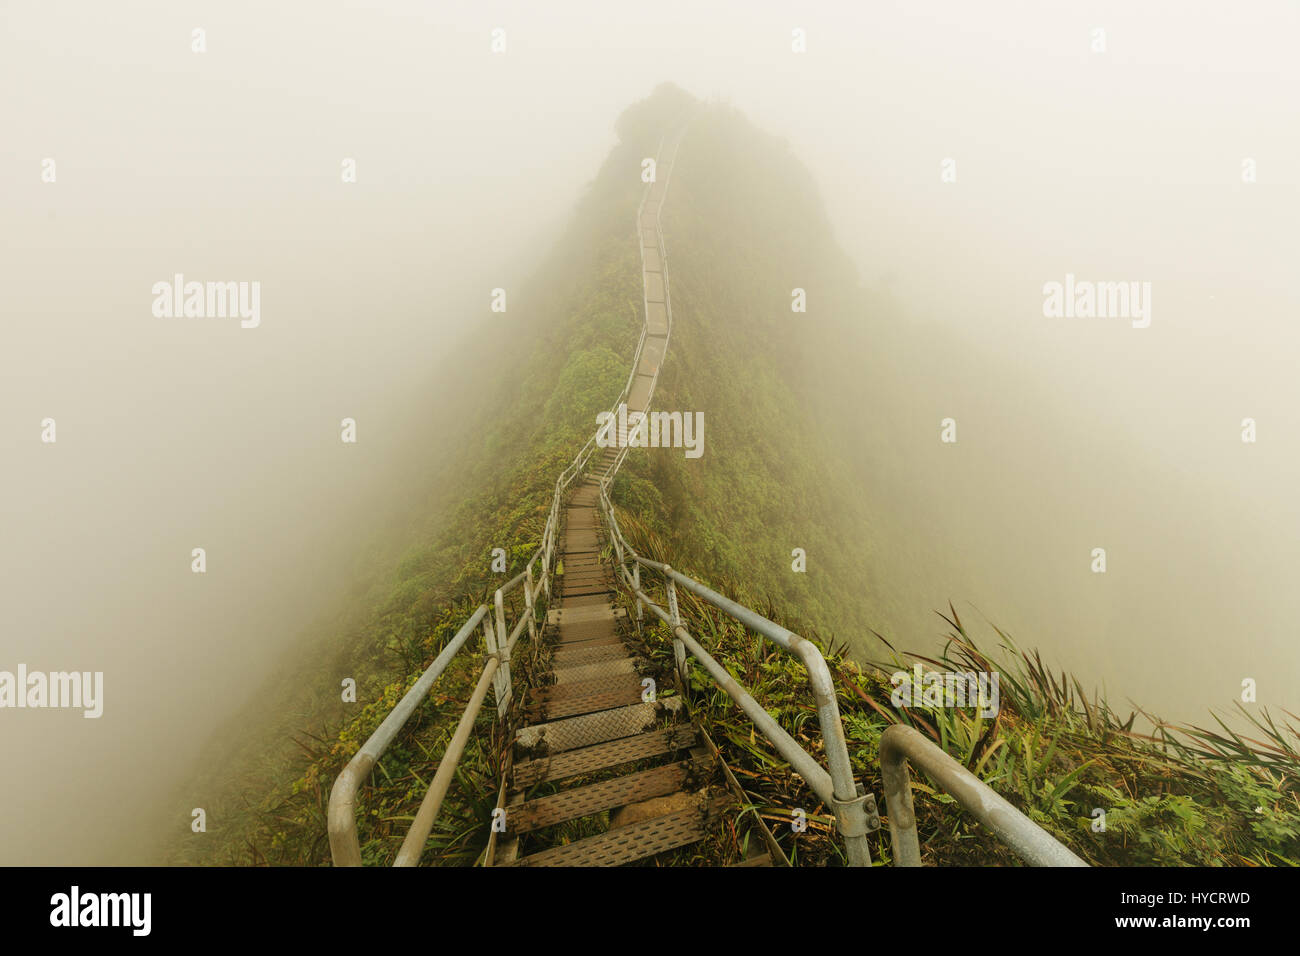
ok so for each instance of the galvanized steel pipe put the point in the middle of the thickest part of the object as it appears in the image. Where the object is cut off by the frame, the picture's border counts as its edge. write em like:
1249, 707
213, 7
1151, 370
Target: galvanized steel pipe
413, 845
344, 846
898, 745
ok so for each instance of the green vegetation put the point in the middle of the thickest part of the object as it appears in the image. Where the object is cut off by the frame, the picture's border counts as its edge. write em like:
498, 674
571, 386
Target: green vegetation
1183, 796
770, 480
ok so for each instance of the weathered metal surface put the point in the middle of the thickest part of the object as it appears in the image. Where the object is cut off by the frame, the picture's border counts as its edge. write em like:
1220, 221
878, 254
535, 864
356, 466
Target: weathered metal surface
586, 704
602, 637
604, 756
574, 732
586, 672
566, 657
603, 685
654, 287
608, 794
631, 843
345, 848
898, 745
584, 614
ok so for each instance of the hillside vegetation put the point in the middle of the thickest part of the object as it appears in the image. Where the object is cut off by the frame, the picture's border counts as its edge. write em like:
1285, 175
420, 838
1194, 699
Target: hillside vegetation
744, 226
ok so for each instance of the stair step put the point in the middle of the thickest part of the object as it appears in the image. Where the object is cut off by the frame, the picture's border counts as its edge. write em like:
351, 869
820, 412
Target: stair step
568, 657
601, 590
585, 575
635, 842
763, 859
608, 795
584, 672
583, 631
573, 763
594, 598
604, 638
579, 540
573, 706
585, 614
574, 732
603, 685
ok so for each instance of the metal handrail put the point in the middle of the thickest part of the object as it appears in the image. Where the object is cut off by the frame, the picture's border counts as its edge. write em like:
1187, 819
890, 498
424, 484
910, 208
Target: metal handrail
345, 846
854, 807
901, 743
855, 810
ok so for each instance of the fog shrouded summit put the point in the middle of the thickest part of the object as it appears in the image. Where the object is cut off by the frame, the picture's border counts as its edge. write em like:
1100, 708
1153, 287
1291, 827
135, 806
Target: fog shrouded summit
1077, 247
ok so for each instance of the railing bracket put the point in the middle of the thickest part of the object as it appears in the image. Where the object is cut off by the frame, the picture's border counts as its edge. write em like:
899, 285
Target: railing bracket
859, 816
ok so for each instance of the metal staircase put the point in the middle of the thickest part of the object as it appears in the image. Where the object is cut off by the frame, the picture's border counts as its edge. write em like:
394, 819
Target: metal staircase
605, 766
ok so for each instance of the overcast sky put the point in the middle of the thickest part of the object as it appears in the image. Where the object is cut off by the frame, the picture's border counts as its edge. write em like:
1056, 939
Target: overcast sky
1124, 164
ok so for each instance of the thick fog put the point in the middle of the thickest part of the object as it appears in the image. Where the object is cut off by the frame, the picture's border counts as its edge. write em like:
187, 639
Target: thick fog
229, 165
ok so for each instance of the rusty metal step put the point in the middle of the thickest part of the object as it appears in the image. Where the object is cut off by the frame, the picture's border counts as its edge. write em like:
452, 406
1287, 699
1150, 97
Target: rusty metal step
608, 794
601, 685
574, 732
585, 672
573, 706
569, 656
575, 631
594, 598
635, 842
600, 590
603, 756
579, 540
601, 638
590, 637
585, 614
585, 575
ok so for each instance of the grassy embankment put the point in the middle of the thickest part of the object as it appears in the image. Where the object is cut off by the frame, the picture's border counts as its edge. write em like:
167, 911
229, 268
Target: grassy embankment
743, 227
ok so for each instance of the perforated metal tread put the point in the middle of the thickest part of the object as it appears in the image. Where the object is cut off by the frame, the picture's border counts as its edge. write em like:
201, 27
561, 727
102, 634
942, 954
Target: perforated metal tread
635, 842
585, 672
601, 590
602, 598
602, 685
568, 657
603, 756
587, 631
573, 706
608, 794
604, 638
587, 614
574, 732
584, 579
582, 576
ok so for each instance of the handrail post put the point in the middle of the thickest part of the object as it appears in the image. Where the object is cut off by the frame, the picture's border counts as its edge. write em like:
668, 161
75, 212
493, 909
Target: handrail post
679, 649
528, 604
855, 814
636, 589
490, 642
501, 681
898, 803
898, 745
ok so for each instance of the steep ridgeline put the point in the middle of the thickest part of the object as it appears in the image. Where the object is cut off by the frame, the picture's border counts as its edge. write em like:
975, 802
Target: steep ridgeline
509, 411
777, 398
